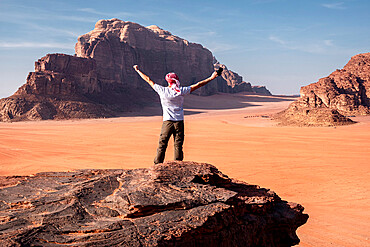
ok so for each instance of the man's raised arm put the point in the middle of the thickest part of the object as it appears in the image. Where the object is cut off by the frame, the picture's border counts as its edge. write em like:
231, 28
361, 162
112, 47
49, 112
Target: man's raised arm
144, 76
204, 82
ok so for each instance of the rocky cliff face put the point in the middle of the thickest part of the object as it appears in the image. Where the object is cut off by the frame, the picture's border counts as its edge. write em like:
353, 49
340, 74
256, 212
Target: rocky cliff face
344, 92
174, 204
64, 87
99, 80
62, 75
55, 90
117, 45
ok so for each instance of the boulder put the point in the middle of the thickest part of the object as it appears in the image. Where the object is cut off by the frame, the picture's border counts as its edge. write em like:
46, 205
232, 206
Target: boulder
171, 204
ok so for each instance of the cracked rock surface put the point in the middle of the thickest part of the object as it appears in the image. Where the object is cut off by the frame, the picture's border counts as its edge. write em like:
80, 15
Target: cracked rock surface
173, 204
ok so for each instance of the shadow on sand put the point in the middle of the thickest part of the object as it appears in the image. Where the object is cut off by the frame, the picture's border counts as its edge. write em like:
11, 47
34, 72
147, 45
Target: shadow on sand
199, 104
223, 101
152, 111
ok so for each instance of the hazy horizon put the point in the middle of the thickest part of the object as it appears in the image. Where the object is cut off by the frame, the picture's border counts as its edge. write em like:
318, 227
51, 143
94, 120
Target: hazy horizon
280, 44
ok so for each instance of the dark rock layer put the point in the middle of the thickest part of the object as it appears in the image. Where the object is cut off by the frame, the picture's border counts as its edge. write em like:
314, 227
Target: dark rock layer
174, 204
324, 103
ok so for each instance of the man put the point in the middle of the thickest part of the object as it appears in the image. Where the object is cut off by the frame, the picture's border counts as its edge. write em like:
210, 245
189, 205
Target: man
172, 100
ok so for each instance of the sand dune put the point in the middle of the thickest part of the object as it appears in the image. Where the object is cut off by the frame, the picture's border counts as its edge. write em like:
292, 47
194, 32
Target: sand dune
324, 169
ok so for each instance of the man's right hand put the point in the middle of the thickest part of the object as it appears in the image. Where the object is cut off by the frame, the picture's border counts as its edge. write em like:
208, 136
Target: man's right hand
214, 75
136, 67
219, 71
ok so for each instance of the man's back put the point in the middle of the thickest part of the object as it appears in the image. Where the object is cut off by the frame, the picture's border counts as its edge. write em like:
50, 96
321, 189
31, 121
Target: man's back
172, 102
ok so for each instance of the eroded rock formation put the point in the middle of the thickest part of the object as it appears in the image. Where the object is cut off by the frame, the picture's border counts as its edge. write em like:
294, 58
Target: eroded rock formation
327, 102
261, 90
64, 87
117, 45
99, 80
62, 75
174, 204
232, 82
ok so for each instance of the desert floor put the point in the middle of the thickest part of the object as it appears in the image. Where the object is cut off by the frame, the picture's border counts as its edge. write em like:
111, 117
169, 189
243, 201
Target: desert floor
325, 169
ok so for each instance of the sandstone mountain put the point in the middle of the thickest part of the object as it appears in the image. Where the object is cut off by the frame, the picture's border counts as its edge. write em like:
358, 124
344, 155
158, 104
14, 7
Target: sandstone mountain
172, 204
344, 92
99, 81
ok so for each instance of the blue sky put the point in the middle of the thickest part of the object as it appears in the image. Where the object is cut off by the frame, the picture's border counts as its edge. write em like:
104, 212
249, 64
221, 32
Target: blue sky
283, 44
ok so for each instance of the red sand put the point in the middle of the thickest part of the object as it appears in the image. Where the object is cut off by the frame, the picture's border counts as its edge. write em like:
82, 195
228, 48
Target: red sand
325, 169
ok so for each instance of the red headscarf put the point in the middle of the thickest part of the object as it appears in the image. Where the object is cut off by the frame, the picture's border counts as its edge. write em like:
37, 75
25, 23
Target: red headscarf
174, 82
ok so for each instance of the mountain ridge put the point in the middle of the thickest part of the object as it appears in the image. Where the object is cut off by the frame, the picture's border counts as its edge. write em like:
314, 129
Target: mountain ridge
98, 81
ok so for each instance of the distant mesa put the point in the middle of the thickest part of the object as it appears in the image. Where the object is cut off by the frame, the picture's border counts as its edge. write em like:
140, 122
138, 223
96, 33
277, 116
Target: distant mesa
99, 81
172, 204
345, 92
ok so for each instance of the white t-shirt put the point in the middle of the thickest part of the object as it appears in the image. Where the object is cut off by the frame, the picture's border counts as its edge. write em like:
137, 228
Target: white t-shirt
172, 102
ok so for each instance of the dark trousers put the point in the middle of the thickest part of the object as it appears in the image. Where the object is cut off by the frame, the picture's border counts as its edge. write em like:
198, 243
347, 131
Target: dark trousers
175, 128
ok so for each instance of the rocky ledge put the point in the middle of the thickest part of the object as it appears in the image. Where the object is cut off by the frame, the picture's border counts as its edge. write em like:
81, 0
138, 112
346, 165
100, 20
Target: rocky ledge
174, 204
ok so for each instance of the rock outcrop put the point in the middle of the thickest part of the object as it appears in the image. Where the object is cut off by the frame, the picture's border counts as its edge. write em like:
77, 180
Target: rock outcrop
327, 102
62, 75
173, 204
117, 45
99, 80
261, 90
232, 82
64, 87
297, 114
